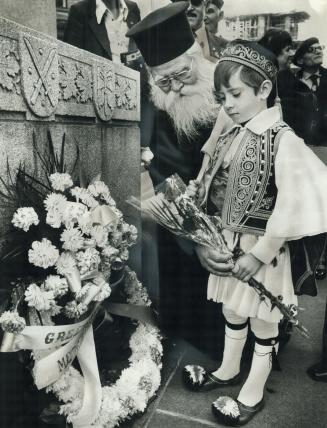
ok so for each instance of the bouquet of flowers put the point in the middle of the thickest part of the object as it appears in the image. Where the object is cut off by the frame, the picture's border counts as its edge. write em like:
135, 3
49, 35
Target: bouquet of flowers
64, 243
175, 208
74, 238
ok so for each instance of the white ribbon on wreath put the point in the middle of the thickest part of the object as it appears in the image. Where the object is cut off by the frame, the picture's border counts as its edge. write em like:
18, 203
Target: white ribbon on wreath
61, 345
137, 383
87, 403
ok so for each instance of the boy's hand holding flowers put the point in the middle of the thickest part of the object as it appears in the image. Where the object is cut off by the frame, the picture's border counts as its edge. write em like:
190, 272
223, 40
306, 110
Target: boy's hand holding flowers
213, 261
246, 267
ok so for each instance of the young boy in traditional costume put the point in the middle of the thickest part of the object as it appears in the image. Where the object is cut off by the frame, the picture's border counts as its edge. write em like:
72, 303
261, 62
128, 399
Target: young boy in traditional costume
269, 188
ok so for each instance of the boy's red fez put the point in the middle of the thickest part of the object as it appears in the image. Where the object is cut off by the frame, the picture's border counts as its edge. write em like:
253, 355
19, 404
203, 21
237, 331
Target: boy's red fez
164, 34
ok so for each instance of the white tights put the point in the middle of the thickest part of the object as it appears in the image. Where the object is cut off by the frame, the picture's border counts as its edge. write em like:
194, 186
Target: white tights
252, 390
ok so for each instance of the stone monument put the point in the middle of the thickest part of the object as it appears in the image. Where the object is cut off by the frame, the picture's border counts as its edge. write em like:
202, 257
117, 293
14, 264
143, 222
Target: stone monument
46, 85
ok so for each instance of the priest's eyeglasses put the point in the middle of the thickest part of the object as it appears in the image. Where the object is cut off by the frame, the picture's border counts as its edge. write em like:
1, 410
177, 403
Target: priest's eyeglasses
315, 49
182, 76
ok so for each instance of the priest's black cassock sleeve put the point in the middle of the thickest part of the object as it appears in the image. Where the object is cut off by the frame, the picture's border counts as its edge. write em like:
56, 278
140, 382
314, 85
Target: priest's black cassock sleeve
184, 310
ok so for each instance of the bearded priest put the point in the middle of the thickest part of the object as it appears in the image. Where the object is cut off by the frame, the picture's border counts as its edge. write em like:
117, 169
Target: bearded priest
181, 86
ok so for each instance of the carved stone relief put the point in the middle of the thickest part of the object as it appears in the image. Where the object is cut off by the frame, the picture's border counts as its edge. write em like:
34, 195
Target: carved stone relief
39, 65
104, 90
9, 65
75, 81
44, 78
126, 93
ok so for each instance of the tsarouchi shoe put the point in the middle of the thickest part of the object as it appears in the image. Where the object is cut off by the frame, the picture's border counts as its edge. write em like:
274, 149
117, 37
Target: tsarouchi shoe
321, 271
318, 372
233, 413
198, 379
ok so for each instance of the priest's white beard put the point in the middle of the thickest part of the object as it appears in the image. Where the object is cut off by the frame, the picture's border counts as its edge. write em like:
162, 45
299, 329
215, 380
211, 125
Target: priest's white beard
194, 106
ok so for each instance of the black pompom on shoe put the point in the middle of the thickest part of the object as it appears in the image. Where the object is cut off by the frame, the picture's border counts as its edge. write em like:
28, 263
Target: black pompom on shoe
233, 413
197, 379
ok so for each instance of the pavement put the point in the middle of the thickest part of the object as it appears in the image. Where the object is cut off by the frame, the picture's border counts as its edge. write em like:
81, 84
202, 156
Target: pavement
292, 399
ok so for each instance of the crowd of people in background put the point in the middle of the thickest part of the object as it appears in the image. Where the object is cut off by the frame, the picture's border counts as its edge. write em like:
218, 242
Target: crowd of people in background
174, 128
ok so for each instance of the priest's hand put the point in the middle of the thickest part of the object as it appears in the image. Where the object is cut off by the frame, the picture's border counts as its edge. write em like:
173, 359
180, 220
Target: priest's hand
196, 190
214, 262
246, 266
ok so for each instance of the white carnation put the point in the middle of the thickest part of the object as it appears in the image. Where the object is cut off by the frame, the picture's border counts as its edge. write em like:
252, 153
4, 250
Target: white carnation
88, 260
60, 181
124, 254
116, 238
55, 309
11, 322
72, 213
130, 233
110, 252
24, 218
82, 292
56, 284
55, 202
74, 388
145, 343
74, 309
43, 254
85, 222
71, 409
84, 195
53, 219
149, 374
55, 206
65, 264
72, 239
69, 376
99, 189
129, 381
100, 235
111, 411
40, 299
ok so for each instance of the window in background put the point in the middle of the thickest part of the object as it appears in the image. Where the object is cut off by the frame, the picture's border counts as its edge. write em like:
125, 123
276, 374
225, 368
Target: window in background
61, 3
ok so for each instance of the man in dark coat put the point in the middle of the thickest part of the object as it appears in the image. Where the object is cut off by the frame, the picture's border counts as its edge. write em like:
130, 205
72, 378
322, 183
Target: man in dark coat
182, 92
305, 97
211, 44
306, 112
89, 27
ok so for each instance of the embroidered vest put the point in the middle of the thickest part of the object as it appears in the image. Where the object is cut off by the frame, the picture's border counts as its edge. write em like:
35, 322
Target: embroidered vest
251, 190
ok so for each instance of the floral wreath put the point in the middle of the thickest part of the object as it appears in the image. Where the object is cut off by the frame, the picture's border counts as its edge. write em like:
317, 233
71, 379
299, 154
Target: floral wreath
137, 383
68, 240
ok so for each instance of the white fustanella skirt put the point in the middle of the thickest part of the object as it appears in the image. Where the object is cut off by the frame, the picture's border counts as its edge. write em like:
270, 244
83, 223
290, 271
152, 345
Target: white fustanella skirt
239, 297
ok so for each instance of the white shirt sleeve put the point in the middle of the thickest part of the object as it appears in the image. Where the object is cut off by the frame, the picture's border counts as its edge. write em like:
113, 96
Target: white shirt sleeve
267, 248
301, 204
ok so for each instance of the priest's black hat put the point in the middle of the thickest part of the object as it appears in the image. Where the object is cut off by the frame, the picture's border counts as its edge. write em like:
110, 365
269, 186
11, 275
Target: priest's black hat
163, 34
302, 49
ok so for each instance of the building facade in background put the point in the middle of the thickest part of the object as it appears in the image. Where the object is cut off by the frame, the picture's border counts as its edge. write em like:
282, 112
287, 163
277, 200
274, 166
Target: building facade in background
253, 26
